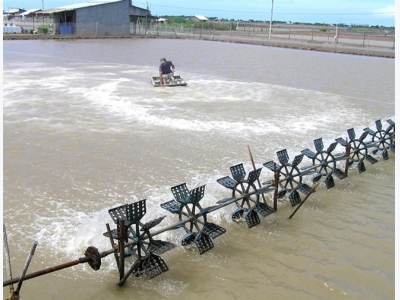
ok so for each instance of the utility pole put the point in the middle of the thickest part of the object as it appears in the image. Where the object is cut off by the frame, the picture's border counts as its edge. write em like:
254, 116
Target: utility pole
43, 10
270, 22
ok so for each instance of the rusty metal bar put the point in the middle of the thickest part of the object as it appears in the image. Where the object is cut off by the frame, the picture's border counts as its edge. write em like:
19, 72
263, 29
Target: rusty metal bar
46, 271
309, 193
276, 182
28, 261
57, 268
8, 261
130, 271
108, 252
254, 168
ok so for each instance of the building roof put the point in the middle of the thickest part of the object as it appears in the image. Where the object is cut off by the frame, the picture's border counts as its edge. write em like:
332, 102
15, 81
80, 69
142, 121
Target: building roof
200, 17
30, 11
13, 10
77, 6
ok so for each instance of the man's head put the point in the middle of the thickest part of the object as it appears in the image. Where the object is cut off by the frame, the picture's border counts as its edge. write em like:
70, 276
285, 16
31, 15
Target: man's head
163, 60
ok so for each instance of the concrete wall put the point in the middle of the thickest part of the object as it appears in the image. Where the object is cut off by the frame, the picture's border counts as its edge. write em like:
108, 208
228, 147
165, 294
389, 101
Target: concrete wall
11, 29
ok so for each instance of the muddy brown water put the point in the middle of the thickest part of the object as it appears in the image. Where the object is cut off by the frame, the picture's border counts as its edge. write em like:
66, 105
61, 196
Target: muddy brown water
85, 131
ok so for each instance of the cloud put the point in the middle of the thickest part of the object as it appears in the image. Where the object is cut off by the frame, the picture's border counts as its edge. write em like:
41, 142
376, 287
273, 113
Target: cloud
388, 11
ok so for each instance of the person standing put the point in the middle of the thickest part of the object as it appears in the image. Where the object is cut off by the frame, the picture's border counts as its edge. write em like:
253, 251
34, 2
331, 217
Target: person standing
166, 70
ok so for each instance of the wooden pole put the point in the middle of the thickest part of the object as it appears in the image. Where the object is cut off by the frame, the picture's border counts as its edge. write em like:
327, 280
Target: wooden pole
254, 168
130, 271
309, 193
276, 183
28, 261
348, 157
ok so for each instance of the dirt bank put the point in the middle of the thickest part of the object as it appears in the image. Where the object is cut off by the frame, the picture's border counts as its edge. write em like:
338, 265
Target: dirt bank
276, 42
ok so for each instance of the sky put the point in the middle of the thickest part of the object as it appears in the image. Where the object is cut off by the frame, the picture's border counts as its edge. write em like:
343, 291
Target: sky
350, 12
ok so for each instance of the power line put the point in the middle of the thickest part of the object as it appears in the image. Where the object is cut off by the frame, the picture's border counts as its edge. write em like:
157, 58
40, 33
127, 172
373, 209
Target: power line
277, 13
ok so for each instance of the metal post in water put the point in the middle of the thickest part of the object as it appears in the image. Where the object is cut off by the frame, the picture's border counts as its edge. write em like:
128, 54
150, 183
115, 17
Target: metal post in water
121, 266
348, 157
309, 193
8, 262
276, 183
254, 168
28, 261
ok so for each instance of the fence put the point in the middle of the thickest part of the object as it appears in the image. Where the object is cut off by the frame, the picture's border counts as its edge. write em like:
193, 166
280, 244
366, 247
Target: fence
260, 34
308, 36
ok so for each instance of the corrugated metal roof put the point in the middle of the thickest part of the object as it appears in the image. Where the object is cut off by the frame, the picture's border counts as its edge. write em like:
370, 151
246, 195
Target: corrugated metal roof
77, 6
200, 17
12, 11
29, 11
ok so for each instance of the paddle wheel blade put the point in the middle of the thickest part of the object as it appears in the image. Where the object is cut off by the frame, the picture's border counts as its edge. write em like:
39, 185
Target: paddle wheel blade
281, 193
135, 211
172, 206
378, 125
151, 266
203, 242
351, 161
237, 214
363, 135
319, 145
385, 154
361, 166
213, 230
238, 172
339, 173
283, 156
369, 130
187, 239
152, 223
329, 182
391, 146
272, 166
264, 209
160, 247
341, 141
304, 188
351, 133
252, 218
307, 152
297, 160
253, 176
227, 182
181, 193
371, 159
294, 198
197, 194
317, 177
331, 147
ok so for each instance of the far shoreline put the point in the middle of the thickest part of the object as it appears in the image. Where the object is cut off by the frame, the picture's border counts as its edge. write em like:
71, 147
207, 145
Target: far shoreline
280, 43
